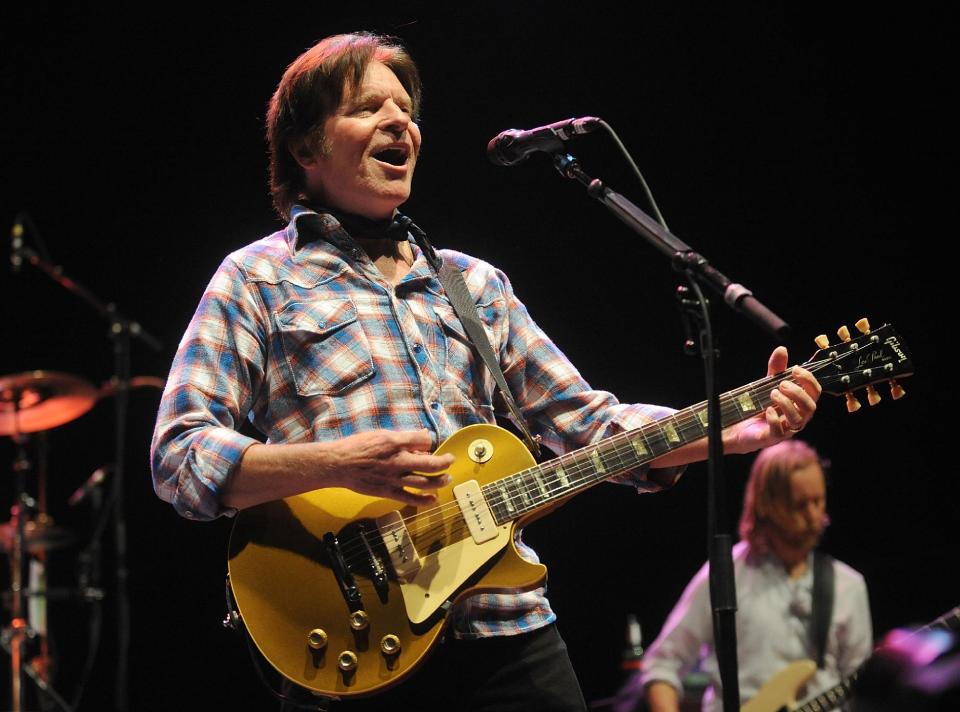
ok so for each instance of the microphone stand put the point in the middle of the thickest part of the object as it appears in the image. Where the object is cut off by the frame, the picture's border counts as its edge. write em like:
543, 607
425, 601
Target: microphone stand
121, 331
698, 271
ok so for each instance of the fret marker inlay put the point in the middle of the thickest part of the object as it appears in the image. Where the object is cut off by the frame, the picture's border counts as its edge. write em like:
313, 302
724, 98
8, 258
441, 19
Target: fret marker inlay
597, 462
672, 434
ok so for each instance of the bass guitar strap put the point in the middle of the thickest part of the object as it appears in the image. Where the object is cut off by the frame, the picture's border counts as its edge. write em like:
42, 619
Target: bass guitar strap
822, 602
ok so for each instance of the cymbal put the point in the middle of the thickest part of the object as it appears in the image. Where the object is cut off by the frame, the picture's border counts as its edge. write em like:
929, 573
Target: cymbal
43, 400
39, 536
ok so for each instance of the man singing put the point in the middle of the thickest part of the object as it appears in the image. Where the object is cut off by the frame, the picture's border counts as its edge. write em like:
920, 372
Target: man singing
336, 339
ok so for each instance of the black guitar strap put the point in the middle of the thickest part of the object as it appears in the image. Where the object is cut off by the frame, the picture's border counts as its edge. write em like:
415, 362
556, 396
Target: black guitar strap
822, 602
466, 310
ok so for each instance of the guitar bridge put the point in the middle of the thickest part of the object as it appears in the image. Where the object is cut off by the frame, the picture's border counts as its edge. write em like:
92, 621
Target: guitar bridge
348, 584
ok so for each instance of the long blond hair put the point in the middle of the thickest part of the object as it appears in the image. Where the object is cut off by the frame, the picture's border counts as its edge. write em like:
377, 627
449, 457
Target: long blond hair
768, 488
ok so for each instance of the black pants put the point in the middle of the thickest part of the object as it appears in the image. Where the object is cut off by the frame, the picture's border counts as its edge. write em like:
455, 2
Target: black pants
530, 672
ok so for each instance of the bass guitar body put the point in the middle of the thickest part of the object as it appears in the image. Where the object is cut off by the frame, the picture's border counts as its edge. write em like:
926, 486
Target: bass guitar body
346, 594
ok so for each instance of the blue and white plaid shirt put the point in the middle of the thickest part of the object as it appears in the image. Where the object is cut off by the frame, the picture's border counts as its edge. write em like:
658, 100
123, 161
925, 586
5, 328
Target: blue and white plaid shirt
301, 333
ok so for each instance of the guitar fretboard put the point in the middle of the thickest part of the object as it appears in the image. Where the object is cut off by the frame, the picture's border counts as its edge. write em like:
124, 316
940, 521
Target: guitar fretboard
525, 491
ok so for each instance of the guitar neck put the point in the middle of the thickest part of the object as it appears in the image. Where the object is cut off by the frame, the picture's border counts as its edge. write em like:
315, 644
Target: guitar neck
541, 486
841, 692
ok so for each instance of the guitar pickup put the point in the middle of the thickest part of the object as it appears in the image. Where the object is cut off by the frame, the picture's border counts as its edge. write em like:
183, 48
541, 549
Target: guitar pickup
476, 513
399, 545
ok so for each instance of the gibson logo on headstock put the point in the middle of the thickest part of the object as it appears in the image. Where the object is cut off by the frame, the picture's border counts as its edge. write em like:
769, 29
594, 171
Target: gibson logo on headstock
892, 342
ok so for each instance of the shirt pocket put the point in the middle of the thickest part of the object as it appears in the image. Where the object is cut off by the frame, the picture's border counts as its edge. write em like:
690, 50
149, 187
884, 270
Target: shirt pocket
464, 367
324, 346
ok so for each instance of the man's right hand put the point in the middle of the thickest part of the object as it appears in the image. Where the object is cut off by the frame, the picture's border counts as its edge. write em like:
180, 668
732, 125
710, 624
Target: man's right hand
379, 463
383, 463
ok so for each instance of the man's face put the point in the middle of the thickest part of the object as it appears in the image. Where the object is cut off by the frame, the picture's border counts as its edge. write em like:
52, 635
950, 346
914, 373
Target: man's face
369, 151
802, 521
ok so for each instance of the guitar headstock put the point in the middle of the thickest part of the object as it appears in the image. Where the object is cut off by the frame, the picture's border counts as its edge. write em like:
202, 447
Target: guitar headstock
860, 362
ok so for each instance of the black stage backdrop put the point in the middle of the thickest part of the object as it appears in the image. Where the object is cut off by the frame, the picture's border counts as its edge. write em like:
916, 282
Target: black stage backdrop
803, 151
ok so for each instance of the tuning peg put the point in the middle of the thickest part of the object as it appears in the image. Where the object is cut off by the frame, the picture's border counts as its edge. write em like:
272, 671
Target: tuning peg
863, 326
872, 396
822, 341
896, 390
844, 333
853, 405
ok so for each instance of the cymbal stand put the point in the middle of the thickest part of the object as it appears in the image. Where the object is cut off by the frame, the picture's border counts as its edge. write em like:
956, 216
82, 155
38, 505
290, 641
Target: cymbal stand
122, 331
20, 631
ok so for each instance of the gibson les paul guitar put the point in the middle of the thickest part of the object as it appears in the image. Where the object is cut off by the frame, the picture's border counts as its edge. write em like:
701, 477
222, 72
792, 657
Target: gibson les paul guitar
345, 594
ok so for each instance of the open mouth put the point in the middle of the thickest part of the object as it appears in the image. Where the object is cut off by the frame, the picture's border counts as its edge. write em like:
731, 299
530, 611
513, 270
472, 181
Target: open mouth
395, 156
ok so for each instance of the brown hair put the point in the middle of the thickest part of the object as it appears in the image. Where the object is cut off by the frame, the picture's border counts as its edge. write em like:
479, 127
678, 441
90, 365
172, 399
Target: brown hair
311, 90
769, 487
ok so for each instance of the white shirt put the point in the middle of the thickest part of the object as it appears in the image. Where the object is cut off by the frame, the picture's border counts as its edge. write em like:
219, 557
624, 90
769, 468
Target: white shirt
773, 628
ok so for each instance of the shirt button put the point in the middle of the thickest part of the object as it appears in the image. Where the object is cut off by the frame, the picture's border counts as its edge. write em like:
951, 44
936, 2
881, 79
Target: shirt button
435, 405
417, 348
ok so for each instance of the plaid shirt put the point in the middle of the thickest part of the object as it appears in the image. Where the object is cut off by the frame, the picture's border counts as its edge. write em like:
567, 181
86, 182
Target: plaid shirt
300, 332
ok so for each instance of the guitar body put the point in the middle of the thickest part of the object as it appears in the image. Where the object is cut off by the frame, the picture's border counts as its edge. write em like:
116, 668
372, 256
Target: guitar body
285, 582
780, 691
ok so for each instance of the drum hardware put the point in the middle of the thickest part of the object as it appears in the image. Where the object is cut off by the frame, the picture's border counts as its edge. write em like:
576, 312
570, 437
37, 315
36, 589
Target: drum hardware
121, 331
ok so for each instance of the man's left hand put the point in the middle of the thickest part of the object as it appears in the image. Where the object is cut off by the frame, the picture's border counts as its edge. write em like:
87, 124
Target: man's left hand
794, 403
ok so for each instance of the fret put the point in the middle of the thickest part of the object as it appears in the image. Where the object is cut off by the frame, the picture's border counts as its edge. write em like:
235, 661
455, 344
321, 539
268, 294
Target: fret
562, 477
505, 498
597, 461
528, 497
493, 494
690, 428
704, 418
669, 426
656, 439
541, 484
639, 444
513, 492
746, 403
617, 456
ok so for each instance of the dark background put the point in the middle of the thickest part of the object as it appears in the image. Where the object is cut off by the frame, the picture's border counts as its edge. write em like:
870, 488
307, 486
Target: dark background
804, 152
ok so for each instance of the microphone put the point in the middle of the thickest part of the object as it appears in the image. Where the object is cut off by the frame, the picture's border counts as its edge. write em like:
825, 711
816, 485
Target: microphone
88, 487
513, 145
16, 245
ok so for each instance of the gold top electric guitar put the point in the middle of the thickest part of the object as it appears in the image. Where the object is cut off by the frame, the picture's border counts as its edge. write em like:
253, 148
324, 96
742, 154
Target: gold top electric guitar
345, 594
780, 691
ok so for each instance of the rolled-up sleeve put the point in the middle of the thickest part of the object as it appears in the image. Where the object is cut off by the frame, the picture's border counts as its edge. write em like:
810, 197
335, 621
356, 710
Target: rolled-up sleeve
218, 367
689, 627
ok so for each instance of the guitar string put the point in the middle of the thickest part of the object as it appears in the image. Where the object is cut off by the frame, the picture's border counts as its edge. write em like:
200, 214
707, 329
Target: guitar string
574, 464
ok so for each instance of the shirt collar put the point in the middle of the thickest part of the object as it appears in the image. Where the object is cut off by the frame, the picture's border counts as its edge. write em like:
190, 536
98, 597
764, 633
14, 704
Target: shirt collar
307, 225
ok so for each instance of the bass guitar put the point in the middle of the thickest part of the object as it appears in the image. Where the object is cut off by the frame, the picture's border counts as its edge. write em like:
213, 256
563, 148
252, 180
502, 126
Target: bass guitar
345, 594
780, 692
